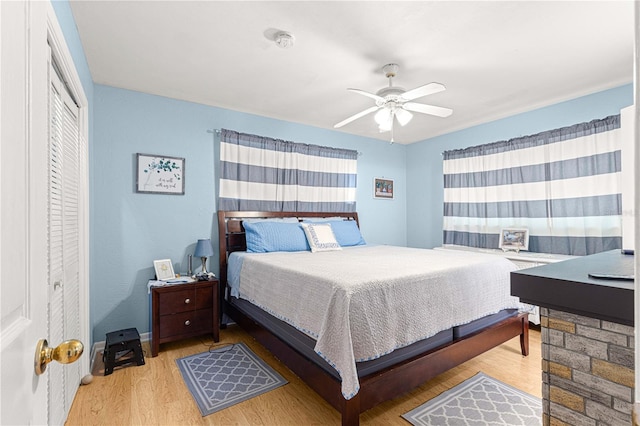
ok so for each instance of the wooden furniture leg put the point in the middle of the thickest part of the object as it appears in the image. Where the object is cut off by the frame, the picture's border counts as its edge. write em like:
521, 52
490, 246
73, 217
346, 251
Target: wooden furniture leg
524, 336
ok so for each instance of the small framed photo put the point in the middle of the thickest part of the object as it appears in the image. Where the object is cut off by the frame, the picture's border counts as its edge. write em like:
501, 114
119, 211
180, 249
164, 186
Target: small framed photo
514, 239
383, 188
164, 269
159, 174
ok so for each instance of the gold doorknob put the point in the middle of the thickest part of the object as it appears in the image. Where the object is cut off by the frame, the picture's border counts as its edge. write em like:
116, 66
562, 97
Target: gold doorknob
65, 353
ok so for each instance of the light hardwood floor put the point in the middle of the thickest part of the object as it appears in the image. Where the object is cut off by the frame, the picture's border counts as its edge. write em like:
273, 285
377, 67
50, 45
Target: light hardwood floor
155, 394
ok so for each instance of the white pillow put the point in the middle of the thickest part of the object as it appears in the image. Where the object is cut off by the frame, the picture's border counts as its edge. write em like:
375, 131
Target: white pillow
320, 237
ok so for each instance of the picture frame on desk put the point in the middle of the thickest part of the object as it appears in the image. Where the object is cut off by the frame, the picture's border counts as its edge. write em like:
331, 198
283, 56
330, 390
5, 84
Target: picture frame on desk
514, 239
164, 269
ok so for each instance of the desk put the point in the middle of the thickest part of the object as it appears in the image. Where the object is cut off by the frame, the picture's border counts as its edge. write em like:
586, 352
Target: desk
587, 337
566, 286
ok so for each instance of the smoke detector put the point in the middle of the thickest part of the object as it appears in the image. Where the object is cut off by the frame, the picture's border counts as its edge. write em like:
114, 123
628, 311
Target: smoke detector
284, 40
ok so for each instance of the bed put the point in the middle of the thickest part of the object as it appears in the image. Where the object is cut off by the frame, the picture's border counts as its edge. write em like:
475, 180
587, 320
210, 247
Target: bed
337, 341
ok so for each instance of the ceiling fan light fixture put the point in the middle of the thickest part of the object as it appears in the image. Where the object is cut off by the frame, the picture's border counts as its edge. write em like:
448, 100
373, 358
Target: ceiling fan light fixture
383, 117
403, 116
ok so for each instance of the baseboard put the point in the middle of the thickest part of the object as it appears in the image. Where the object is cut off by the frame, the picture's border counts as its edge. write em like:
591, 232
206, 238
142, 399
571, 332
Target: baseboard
98, 347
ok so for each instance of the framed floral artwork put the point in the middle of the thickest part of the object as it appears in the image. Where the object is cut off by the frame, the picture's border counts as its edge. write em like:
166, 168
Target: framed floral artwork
159, 174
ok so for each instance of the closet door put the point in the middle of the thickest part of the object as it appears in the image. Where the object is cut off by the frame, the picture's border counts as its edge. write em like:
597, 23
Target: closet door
64, 241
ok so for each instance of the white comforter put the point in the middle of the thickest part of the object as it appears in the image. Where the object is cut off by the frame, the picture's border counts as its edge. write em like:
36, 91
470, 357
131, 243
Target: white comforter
362, 302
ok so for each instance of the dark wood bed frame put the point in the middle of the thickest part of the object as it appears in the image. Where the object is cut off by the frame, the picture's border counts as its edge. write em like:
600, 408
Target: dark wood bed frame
374, 388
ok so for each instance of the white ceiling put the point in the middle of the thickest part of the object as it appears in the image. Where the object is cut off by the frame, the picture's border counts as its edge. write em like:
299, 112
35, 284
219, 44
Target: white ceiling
495, 58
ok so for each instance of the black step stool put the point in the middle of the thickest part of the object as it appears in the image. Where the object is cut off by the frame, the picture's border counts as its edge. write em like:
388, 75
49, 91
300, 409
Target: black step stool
123, 345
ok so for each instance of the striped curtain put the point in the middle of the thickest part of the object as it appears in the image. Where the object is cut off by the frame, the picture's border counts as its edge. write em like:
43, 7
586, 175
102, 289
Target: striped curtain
562, 185
264, 174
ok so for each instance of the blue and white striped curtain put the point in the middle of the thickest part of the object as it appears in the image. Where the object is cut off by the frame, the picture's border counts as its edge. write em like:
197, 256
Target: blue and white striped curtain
264, 174
562, 185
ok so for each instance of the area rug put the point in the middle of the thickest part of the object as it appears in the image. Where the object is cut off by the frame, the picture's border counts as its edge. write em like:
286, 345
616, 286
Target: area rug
479, 401
226, 376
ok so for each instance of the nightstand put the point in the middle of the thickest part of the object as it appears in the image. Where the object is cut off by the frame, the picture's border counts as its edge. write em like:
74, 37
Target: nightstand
184, 310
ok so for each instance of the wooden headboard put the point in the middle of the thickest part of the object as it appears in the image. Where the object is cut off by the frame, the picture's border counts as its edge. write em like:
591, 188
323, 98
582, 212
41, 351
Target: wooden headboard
231, 234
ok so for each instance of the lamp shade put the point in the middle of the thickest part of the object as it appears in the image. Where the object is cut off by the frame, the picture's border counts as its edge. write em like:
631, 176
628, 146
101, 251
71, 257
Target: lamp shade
383, 117
203, 248
403, 116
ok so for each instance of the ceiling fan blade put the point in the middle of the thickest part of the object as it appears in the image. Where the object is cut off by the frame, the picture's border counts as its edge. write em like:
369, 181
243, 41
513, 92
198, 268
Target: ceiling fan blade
418, 92
428, 109
370, 95
356, 116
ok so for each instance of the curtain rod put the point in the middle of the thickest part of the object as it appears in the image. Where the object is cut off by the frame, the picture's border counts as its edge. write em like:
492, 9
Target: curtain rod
217, 131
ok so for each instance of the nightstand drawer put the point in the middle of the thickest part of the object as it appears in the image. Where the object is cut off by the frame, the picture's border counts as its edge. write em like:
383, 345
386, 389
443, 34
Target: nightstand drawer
186, 323
178, 301
204, 297
184, 310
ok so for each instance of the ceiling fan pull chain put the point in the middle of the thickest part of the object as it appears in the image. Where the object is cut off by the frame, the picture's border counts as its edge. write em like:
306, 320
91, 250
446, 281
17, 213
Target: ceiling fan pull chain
391, 141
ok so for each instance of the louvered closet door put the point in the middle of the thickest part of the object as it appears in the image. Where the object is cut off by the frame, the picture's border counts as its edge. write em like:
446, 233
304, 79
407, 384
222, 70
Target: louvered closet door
64, 243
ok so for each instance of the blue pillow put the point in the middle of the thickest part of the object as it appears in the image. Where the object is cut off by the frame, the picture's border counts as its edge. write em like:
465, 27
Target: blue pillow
346, 231
264, 237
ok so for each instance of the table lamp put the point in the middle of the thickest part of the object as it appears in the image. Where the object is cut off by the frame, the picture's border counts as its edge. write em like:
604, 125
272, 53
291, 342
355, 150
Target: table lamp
203, 250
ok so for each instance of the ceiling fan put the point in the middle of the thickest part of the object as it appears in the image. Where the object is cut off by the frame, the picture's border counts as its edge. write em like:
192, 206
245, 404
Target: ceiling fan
394, 102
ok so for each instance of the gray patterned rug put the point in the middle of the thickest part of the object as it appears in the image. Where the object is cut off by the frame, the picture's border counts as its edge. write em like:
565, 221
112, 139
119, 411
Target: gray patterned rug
479, 401
227, 376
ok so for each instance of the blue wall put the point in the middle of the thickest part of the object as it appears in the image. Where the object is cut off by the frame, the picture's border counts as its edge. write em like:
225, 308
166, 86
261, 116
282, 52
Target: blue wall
130, 229
425, 187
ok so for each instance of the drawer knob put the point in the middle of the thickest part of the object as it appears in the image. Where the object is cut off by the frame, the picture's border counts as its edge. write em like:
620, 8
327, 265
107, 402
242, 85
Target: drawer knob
187, 301
187, 322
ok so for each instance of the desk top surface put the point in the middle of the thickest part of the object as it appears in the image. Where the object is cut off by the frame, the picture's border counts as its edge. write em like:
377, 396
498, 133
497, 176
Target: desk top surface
578, 269
567, 286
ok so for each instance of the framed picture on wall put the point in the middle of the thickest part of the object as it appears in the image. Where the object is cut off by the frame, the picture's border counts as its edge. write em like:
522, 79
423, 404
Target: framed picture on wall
159, 174
514, 239
164, 269
383, 188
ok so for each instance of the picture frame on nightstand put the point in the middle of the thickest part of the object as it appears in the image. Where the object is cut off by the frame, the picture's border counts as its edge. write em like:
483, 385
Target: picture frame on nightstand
164, 269
514, 239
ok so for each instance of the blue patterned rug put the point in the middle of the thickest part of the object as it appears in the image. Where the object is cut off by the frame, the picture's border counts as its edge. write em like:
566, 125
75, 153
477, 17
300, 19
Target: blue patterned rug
479, 401
226, 376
